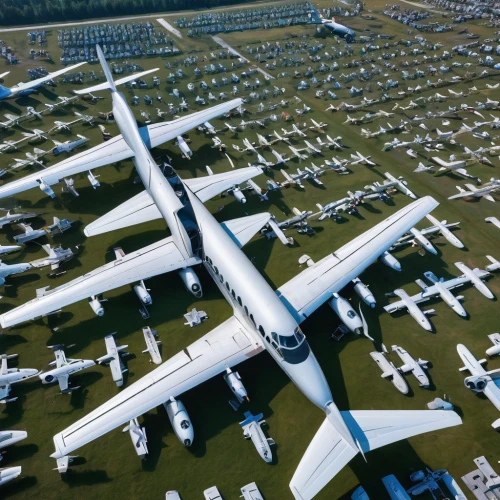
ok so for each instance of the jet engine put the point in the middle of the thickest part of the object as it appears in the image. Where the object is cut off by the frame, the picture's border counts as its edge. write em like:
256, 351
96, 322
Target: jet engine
181, 423
143, 293
346, 313
191, 281
390, 261
476, 384
96, 306
233, 380
238, 194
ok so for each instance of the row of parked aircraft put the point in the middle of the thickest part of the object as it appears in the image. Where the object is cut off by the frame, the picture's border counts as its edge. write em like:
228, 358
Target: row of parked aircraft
263, 319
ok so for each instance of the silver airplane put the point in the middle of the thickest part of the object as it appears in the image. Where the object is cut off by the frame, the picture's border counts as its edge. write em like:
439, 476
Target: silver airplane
263, 319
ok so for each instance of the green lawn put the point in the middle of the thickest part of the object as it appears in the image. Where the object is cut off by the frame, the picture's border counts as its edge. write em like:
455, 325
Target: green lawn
108, 467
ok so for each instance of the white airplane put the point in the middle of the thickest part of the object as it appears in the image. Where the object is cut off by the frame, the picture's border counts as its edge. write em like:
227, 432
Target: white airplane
36, 135
417, 367
29, 234
68, 146
23, 89
7, 146
8, 438
63, 369
11, 269
252, 429
331, 25
409, 238
63, 101
31, 159
296, 153
494, 221
9, 376
113, 358
495, 340
359, 158
280, 137
55, 257
180, 421
138, 436
441, 288
280, 159
443, 228
389, 371
478, 192
12, 121
152, 345
9, 473
261, 321
481, 381
318, 127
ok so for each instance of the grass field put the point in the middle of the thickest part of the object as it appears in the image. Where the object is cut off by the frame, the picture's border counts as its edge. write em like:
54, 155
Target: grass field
108, 468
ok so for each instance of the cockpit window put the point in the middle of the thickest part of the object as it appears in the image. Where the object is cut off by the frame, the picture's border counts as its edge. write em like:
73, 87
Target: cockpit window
289, 341
351, 313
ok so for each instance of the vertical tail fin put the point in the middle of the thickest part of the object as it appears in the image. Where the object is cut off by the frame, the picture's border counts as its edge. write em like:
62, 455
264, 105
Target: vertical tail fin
105, 68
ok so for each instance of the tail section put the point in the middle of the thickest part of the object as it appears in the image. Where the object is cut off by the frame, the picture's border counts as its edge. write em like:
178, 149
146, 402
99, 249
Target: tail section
329, 451
105, 68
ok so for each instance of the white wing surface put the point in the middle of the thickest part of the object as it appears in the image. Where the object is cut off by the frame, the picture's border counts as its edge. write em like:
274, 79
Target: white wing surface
328, 453
227, 345
310, 289
142, 208
116, 149
63, 381
243, 229
205, 188
158, 258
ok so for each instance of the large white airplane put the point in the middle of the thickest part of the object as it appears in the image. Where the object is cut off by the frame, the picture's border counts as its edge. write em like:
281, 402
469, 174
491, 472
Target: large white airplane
22, 89
480, 380
263, 319
478, 192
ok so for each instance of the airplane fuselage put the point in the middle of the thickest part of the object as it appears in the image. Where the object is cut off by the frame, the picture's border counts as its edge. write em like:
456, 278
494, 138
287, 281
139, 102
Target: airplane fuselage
254, 302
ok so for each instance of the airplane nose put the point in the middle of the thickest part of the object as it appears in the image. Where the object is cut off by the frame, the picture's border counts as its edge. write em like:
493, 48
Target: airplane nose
310, 379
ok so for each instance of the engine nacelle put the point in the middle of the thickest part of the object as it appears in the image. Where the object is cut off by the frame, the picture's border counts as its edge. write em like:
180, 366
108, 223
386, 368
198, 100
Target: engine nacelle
96, 306
143, 293
477, 383
233, 380
46, 188
238, 194
191, 281
181, 423
390, 261
364, 292
346, 313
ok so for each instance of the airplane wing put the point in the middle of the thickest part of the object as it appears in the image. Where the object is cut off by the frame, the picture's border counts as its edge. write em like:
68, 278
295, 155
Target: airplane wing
158, 258
207, 187
115, 150
141, 208
50, 76
63, 381
311, 288
328, 453
225, 346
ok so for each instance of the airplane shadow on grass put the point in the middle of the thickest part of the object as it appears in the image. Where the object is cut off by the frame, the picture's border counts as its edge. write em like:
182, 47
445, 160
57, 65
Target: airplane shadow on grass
19, 485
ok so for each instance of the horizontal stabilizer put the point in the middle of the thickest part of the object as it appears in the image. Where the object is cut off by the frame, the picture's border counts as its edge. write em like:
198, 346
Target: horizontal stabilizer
106, 85
243, 229
138, 209
328, 452
205, 188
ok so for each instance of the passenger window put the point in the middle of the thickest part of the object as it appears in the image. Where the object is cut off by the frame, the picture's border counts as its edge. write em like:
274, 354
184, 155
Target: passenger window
233, 294
221, 278
261, 330
246, 310
227, 286
268, 339
239, 301
252, 320
216, 270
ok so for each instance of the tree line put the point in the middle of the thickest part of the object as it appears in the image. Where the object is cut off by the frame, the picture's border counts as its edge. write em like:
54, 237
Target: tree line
19, 12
